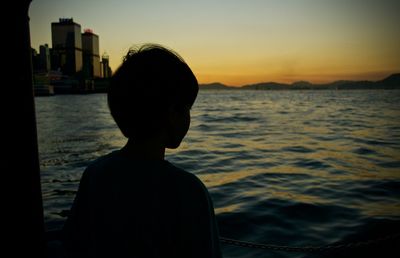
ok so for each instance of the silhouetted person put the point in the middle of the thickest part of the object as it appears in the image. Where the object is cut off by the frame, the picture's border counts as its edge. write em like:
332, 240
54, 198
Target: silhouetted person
132, 202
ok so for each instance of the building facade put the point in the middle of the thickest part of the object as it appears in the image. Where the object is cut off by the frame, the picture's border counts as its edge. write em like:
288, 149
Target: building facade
105, 67
67, 47
91, 54
44, 53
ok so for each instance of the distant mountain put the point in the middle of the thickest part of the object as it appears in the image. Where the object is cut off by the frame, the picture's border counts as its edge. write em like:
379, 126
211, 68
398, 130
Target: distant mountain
216, 86
302, 84
391, 82
267, 86
352, 85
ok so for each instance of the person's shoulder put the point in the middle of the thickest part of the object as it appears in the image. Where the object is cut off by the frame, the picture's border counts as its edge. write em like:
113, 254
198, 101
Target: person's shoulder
187, 180
182, 174
192, 193
105, 162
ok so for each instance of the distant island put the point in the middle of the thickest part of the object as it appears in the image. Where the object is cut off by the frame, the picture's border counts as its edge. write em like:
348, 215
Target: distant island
392, 82
44, 86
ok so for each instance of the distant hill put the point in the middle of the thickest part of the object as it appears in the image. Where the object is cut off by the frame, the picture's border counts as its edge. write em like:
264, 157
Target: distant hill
216, 86
302, 84
389, 83
267, 86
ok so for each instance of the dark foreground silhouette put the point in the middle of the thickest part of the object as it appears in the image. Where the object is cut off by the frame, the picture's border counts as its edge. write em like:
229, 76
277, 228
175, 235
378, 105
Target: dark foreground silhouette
132, 202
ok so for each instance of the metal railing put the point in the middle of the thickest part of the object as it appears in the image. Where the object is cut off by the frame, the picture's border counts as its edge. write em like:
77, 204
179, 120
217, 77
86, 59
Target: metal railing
310, 249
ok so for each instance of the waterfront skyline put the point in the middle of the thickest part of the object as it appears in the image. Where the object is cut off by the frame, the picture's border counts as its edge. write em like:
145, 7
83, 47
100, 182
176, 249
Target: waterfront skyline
244, 42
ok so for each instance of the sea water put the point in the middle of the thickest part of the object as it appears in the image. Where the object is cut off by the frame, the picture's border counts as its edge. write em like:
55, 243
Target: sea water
292, 168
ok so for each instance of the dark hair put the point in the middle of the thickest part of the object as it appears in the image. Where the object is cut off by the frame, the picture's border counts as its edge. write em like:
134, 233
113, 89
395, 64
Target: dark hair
150, 80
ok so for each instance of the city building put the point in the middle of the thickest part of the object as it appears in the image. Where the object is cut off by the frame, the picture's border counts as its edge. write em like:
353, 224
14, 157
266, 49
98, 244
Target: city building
105, 67
40, 76
41, 60
66, 54
35, 59
91, 54
44, 57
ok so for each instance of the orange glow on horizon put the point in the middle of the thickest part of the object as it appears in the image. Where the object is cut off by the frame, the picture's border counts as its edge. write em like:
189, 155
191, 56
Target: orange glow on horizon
244, 42
320, 78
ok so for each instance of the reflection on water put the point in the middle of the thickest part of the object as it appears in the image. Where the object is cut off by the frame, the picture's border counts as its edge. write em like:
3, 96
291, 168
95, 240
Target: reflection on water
283, 167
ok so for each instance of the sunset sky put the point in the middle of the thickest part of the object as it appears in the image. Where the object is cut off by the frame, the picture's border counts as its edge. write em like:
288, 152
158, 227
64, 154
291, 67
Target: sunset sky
239, 42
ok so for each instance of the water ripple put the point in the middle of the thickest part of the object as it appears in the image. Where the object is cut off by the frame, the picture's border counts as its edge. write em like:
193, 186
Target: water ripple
282, 167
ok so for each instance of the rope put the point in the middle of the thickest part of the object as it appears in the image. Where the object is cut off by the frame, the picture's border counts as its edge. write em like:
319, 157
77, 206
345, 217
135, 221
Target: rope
307, 249
56, 235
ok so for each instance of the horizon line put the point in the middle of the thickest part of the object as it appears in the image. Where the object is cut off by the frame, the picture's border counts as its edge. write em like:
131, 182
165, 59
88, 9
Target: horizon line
299, 81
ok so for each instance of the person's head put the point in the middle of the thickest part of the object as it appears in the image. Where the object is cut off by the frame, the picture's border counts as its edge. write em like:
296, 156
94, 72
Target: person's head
151, 94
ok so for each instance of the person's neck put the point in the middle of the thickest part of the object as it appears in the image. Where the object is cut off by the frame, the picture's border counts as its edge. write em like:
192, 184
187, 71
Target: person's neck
149, 149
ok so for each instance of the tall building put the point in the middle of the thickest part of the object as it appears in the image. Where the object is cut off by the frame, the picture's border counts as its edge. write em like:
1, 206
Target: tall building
91, 56
67, 46
35, 60
44, 53
105, 68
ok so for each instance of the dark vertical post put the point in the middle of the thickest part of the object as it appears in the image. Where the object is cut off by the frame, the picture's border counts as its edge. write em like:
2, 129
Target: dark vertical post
22, 162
